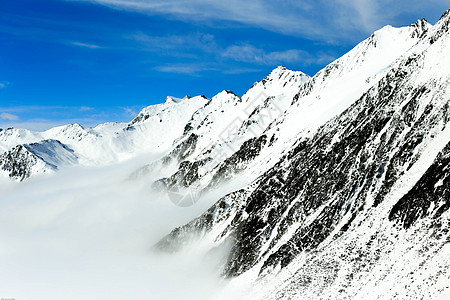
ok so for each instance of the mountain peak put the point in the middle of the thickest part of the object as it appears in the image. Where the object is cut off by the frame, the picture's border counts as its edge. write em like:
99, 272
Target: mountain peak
225, 96
441, 28
419, 28
445, 15
283, 68
170, 99
283, 74
228, 92
280, 70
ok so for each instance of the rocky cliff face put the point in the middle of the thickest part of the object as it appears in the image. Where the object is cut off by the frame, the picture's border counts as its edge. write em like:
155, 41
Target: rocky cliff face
324, 217
19, 163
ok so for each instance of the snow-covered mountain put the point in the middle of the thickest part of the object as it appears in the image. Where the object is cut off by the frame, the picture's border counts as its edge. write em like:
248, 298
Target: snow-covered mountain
36, 158
355, 205
106, 143
326, 187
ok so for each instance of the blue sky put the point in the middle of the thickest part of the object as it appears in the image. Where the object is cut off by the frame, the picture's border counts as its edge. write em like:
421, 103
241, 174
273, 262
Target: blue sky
92, 61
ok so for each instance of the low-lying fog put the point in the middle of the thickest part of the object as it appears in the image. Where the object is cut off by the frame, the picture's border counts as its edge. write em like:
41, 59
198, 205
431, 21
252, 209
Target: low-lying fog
87, 233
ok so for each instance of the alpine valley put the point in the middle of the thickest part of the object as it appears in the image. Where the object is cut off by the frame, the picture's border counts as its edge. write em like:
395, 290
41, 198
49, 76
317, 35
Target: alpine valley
335, 186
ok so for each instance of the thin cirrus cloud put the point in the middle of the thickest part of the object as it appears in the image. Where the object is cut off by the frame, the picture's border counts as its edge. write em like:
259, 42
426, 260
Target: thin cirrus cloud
85, 45
206, 44
86, 108
317, 20
251, 54
8, 116
194, 69
184, 68
4, 84
202, 41
278, 17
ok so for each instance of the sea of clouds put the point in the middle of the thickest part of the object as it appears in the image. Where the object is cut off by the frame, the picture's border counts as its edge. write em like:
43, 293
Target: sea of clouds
88, 233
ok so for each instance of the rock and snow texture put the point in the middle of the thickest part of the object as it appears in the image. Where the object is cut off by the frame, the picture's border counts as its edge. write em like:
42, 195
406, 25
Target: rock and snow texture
334, 186
104, 144
357, 206
36, 158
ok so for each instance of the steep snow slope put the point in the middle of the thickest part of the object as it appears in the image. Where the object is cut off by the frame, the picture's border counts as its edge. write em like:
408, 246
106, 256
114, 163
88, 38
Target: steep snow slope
275, 112
218, 130
322, 222
343, 81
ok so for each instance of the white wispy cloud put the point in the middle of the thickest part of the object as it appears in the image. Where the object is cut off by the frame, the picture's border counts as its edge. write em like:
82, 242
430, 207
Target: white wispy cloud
131, 111
185, 68
8, 116
317, 20
195, 69
86, 108
266, 14
240, 70
250, 54
197, 40
85, 45
206, 44
4, 84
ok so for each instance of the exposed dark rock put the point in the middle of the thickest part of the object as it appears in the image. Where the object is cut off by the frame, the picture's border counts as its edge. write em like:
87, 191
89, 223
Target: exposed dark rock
185, 148
429, 197
237, 162
18, 162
